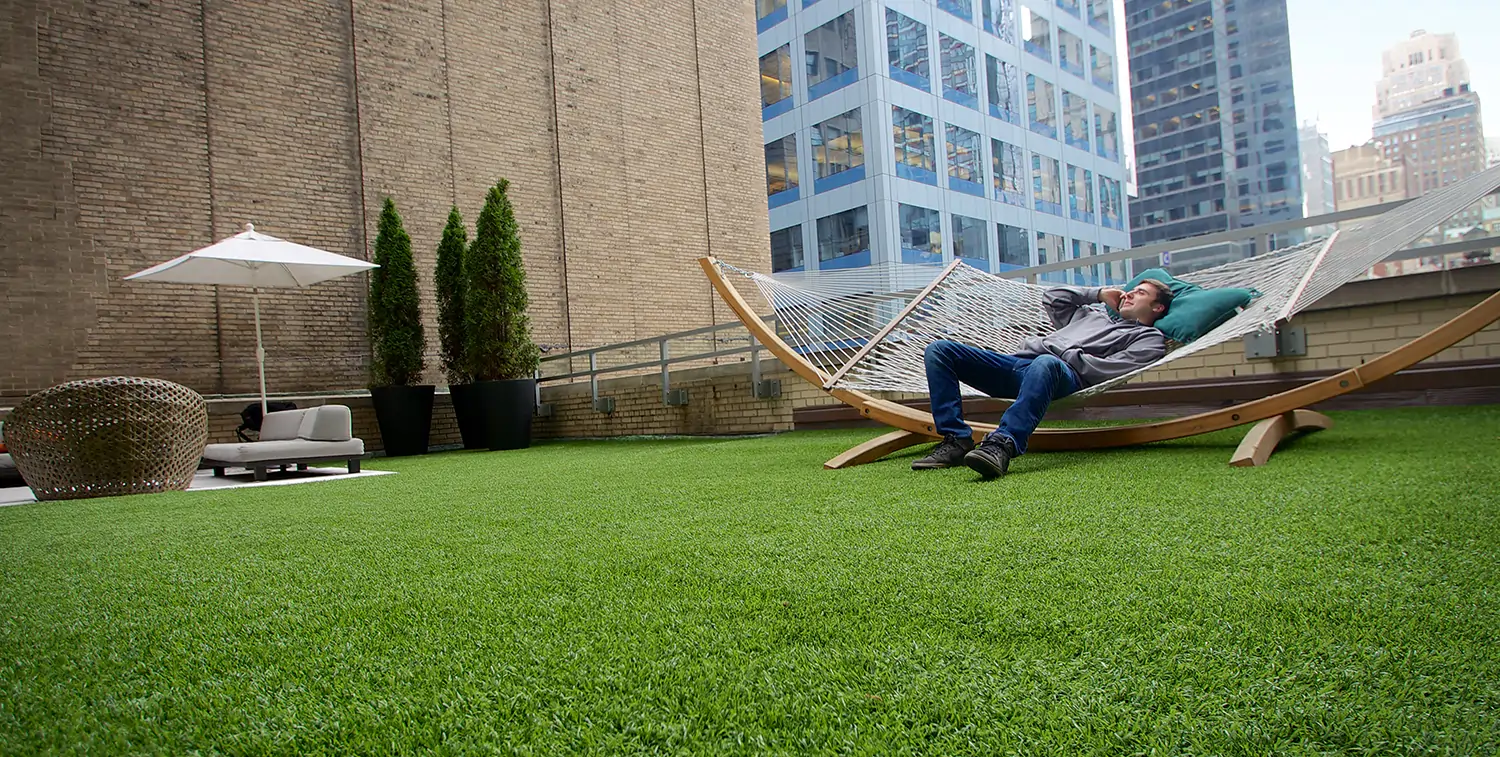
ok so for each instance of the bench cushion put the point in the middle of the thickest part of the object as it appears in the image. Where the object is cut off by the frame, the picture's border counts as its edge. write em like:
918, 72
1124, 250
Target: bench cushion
328, 423
324, 423
291, 449
281, 425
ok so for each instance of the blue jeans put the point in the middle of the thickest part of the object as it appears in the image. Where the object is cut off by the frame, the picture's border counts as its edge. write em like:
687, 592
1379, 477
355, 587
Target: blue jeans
1033, 382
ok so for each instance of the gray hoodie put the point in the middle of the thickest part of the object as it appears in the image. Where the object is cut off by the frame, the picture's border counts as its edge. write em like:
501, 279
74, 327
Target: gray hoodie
1097, 346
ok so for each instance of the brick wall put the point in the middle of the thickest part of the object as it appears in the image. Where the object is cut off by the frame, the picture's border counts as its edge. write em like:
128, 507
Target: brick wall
105, 165
283, 147
501, 89
137, 131
404, 140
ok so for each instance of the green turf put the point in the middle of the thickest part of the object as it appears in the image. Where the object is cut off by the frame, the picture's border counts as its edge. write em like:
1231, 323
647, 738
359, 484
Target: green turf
705, 596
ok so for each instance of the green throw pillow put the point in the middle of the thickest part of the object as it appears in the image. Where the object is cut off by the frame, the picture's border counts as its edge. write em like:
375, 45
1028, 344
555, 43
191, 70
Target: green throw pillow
1195, 311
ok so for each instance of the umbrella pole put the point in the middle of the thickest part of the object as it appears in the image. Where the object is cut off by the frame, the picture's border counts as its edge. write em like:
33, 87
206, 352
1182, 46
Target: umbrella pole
260, 351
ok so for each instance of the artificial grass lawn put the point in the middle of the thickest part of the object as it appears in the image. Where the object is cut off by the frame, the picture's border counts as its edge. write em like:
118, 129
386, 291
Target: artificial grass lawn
731, 596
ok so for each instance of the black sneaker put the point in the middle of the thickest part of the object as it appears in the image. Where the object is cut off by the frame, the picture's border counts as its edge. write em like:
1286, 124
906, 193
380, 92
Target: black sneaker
949, 453
991, 459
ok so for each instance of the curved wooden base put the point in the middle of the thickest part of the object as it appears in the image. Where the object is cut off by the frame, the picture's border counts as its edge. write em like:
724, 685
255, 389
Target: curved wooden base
917, 422
876, 448
1257, 446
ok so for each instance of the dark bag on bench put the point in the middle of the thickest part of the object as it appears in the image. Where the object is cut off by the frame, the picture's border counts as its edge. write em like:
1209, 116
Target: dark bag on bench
250, 417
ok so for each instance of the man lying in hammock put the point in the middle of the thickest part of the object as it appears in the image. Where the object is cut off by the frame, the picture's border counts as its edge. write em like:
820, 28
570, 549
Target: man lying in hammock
1089, 346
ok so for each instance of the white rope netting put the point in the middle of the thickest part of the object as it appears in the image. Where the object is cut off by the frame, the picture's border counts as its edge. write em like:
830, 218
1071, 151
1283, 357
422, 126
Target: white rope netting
860, 327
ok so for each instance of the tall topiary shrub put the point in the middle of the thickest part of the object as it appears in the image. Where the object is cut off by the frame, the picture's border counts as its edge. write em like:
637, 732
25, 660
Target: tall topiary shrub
451, 285
396, 337
498, 337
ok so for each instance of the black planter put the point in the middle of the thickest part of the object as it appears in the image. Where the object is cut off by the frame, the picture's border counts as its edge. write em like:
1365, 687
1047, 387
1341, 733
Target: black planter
470, 417
505, 408
405, 417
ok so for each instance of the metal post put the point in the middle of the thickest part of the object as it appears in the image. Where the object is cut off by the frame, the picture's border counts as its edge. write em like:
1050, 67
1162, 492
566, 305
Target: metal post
761, 389
669, 397
666, 374
601, 404
260, 351
594, 378
754, 366
540, 409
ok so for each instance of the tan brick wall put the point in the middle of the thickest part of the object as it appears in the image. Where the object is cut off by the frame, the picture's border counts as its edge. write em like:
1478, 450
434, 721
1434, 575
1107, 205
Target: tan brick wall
501, 93
105, 167
139, 131
735, 227
282, 132
404, 142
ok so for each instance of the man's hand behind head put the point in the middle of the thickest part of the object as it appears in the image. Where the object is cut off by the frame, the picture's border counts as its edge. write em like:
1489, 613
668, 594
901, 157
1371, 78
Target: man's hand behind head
1111, 297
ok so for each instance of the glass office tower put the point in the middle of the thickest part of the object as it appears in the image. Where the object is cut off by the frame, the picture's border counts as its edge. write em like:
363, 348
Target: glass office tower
920, 132
1215, 127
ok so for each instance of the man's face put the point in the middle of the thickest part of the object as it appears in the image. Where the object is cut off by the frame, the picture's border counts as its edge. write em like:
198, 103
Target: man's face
1139, 304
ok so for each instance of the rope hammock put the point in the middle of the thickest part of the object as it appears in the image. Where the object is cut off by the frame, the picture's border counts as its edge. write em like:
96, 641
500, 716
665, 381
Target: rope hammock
867, 328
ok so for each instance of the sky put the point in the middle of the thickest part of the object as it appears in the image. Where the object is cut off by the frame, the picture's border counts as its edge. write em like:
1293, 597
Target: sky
1336, 46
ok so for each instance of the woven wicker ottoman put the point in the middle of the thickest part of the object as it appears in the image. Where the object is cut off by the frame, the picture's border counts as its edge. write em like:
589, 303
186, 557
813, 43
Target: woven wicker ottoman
108, 436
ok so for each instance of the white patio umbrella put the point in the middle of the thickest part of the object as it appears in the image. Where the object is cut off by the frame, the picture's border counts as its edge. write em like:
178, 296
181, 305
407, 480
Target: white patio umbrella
255, 260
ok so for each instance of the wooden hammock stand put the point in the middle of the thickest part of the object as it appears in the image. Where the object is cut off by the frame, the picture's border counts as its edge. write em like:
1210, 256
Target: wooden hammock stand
1275, 416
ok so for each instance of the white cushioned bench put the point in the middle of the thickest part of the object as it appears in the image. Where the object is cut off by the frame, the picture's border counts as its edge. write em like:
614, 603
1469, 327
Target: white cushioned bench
293, 437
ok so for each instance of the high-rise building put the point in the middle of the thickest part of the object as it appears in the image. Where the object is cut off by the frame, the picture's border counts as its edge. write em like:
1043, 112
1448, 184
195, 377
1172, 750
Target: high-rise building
1441, 140
1317, 171
1428, 119
1492, 146
1215, 126
1365, 176
918, 132
1416, 70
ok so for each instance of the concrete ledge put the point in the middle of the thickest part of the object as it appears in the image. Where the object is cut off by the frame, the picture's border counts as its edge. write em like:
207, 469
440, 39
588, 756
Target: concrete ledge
1469, 280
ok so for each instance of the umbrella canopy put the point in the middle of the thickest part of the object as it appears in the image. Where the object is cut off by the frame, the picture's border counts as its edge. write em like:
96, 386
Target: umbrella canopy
255, 260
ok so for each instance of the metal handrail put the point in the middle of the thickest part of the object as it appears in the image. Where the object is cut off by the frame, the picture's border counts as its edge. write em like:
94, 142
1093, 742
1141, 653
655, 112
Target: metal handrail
654, 363
650, 340
664, 362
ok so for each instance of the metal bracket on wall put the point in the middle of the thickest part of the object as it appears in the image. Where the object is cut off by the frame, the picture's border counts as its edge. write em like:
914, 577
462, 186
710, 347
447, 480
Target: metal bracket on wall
763, 389
540, 409
669, 396
1282, 341
601, 404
